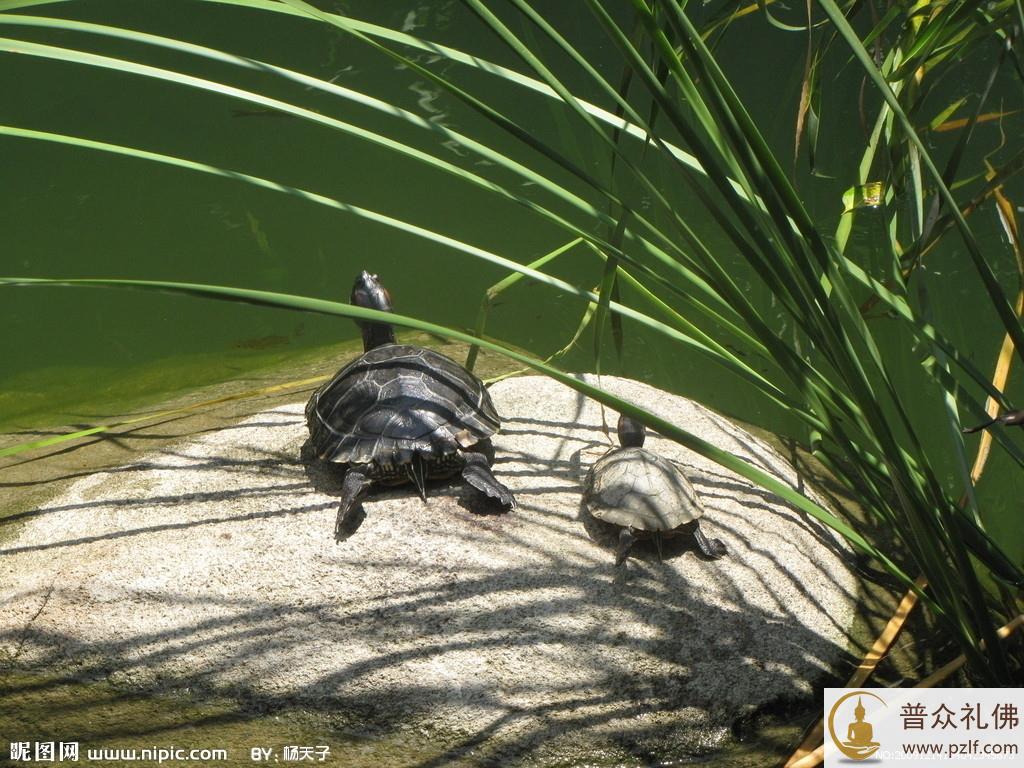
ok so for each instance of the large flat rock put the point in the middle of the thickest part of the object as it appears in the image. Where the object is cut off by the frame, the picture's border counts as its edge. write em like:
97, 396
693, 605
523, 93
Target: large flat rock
211, 565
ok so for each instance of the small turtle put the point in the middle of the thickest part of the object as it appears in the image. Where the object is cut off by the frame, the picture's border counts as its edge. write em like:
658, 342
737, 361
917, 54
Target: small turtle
400, 413
645, 495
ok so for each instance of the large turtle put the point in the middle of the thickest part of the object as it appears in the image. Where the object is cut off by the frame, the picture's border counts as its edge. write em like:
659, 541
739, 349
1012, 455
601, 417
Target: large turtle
645, 495
400, 413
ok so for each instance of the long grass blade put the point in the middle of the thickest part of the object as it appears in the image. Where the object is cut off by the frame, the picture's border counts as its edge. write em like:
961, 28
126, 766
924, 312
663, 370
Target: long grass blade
999, 301
507, 264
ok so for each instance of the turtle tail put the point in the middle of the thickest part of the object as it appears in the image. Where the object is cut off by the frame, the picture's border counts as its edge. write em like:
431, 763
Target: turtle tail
417, 472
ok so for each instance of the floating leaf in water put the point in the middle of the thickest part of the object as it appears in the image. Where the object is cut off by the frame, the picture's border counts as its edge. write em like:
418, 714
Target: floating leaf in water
867, 195
940, 119
259, 113
263, 342
953, 125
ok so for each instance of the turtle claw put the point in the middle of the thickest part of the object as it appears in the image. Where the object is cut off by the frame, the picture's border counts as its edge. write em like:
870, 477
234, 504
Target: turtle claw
350, 511
626, 539
348, 522
477, 472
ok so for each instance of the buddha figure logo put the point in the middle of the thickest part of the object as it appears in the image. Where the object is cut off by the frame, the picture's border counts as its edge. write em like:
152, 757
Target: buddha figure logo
855, 734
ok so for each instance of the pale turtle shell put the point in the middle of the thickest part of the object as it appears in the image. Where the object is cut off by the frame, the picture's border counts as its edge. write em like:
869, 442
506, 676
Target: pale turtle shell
634, 487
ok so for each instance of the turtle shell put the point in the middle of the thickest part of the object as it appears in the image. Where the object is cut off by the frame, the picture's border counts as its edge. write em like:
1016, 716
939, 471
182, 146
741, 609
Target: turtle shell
634, 487
395, 402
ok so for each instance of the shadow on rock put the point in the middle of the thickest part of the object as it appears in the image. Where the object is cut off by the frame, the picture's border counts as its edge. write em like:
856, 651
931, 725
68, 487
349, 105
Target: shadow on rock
327, 478
505, 638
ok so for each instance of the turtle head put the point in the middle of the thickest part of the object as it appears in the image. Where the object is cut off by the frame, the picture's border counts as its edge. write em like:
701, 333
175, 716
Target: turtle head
367, 292
631, 432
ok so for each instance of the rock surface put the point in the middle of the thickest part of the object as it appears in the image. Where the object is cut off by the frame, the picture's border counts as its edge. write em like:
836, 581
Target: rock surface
212, 565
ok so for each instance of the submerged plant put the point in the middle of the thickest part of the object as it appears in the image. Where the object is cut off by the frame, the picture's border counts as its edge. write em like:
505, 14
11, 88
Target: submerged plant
699, 235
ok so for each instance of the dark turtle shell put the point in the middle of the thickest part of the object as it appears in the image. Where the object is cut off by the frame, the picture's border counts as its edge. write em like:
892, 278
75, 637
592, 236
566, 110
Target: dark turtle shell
395, 402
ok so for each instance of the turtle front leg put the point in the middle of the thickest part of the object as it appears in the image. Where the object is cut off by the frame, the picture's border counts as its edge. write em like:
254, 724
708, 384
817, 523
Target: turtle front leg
350, 512
477, 472
626, 540
711, 548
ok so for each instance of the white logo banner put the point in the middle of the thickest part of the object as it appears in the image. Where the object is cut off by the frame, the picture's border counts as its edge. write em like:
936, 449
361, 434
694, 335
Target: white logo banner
942, 727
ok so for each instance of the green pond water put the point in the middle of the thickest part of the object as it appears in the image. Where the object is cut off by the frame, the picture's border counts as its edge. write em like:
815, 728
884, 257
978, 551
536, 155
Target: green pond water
86, 356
